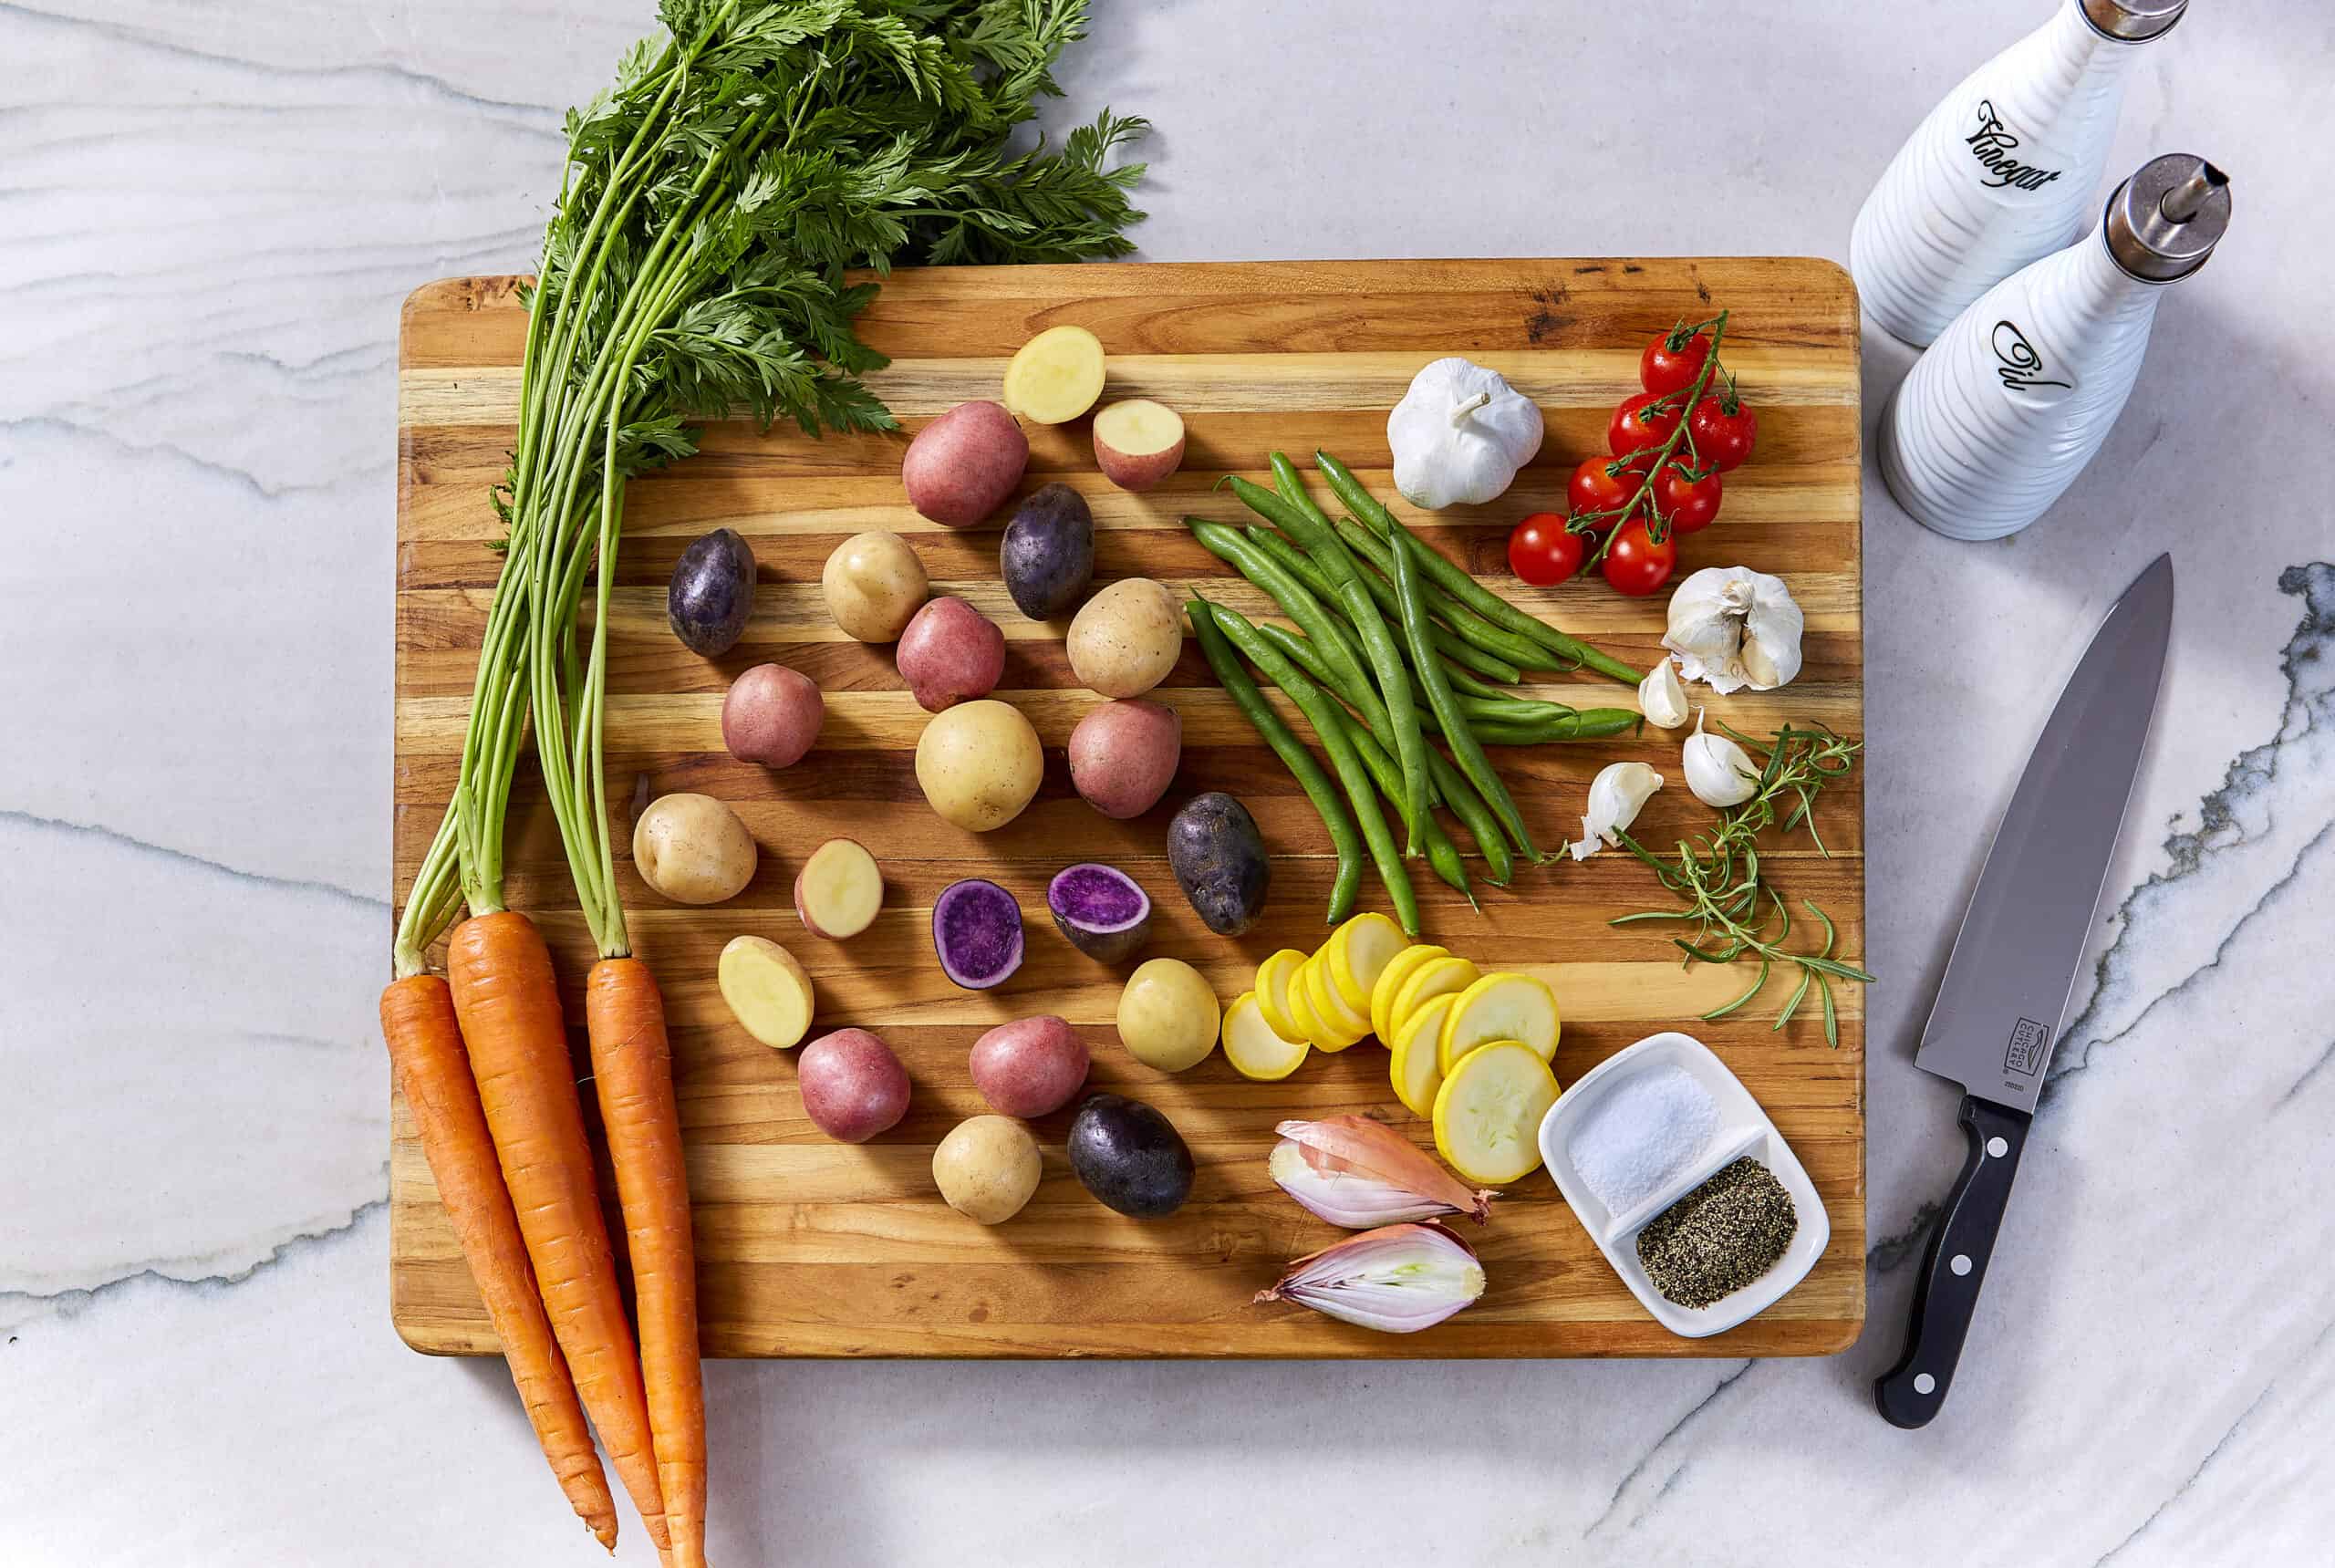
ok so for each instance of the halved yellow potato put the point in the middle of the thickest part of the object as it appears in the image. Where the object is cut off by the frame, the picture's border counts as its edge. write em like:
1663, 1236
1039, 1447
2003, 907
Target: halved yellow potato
767, 989
1341, 1026
1439, 977
1357, 951
1414, 1070
1273, 976
1487, 1113
1500, 1006
1056, 376
1399, 967
1252, 1045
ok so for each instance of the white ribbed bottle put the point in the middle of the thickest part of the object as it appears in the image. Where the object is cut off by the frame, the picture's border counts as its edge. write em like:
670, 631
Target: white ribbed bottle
2019, 392
2002, 173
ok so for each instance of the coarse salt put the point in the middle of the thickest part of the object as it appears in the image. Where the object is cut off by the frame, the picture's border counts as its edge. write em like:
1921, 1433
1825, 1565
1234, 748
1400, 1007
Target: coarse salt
1639, 1136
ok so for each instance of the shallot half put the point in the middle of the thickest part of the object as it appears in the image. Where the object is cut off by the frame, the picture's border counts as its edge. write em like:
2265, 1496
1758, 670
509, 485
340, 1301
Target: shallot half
1359, 1173
1397, 1279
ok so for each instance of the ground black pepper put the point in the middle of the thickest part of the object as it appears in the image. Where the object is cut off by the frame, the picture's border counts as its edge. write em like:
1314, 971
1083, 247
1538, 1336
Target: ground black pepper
1720, 1237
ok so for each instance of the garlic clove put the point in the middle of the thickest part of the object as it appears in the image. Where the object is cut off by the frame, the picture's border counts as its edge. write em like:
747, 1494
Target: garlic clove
1661, 698
1719, 771
1616, 794
1356, 1172
1397, 1279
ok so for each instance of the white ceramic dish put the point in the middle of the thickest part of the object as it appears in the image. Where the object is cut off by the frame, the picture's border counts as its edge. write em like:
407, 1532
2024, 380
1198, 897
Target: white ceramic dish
1743, 1128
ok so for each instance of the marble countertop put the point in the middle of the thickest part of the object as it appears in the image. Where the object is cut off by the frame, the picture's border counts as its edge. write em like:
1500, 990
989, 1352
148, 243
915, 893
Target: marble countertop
207, 216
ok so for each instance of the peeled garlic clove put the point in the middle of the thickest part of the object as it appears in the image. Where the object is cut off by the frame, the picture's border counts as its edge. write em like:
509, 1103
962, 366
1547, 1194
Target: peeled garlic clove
1771, 633
1397, 1279
1615, 796
1719, 771
1356, 1172
1660, 697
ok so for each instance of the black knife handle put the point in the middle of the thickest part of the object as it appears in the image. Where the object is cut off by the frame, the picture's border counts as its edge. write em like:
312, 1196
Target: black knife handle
1946, 1295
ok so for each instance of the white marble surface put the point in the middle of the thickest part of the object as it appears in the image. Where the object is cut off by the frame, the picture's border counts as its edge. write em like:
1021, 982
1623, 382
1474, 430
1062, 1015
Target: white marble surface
208, 215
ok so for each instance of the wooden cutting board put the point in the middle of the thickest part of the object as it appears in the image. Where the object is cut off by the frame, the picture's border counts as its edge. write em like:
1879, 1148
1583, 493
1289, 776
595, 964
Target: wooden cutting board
808, 1247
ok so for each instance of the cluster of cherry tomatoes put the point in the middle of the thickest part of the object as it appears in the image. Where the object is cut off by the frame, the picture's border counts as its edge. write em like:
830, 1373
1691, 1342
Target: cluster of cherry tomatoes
1658, 478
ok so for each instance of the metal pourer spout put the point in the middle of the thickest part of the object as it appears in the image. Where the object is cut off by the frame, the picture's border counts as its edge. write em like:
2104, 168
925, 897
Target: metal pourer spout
2185, 201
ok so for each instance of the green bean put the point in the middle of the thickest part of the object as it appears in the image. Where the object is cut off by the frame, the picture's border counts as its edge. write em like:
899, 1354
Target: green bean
1291, 752
1301, 566
1587, 724
1464, 682
1356, 694
1296, 602
1466, 750
1386, 657
1507, 646
1473, 594
1445, 782
1441, 852
1448, 643
1322, 714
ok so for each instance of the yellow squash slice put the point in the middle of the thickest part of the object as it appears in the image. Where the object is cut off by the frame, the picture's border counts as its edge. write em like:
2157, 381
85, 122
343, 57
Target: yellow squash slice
1273, 976
1439, 977
1487, 1113
1357, 953
1414, 1067
1501, 1007
1342, 1026
1253, 1047
1399, 967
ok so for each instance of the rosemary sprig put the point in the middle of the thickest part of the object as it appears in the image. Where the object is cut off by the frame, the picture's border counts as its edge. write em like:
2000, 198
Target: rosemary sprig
1716, 876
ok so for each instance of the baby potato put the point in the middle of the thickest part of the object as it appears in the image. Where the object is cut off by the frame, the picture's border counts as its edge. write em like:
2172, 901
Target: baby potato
950, 651
853, 1086
1122, 755
767, 990
874, 584
987, 1169
1123, 641
772, 715
962, 466
694, 849
1168, 1018
978, 763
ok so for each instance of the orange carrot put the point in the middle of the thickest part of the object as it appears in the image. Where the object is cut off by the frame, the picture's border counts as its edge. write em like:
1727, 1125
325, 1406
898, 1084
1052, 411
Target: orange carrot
434, 1073
632, 1069
509, 1007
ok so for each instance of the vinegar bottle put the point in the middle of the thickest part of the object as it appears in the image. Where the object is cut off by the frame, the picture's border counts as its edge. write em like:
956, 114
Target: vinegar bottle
2019, 392
2002, 173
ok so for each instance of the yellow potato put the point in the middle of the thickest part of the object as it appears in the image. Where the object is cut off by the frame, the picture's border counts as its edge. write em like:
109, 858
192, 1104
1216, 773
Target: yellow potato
978, 763
874, 584
1056, 376
987, 1167
694, 849
1168, 1017
1123, 641
768, 991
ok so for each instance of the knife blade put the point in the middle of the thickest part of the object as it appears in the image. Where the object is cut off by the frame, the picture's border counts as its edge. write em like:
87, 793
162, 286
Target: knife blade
2000, 1007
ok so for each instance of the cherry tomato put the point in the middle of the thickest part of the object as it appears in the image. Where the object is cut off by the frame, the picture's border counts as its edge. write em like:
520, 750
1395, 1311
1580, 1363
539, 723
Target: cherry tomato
1634, 564
1663, 368
1592, 489
1543, 551
1636, 427
1689, 504
1723, 426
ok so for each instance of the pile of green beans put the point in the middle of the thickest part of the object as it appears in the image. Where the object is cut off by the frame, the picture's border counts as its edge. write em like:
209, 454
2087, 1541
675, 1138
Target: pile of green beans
1393, 643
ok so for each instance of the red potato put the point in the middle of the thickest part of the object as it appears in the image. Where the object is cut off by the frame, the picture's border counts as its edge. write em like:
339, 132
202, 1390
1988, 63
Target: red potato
1139, 442
950, 652
1122, 755
962, 466
772, 715
853, 1086
1031, 1066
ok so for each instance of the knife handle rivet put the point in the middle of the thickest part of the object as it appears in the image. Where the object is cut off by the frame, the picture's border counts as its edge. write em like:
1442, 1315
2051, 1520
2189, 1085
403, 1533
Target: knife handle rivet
1925, 1384
1959, 1263
1997, 1147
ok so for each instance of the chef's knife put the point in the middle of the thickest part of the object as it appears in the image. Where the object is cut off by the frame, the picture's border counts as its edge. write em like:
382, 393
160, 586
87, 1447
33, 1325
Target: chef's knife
2000, 1007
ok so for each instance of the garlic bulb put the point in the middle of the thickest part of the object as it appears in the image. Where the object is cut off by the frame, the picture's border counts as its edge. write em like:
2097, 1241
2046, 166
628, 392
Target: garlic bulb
1719, 771
1660, 697
1460, 435
1616, 795
1735, 627
1397, 1279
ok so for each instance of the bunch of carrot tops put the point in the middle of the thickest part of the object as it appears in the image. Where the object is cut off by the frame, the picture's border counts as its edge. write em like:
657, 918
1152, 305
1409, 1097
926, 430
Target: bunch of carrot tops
1406, 642
694, 265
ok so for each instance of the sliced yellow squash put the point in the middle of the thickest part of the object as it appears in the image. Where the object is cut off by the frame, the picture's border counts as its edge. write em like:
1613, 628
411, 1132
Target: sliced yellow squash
1438, 977
1300, 1013
1341, 1026
1414, 1068
1273, 976
1357, 951
1487, 1113
1253, 1047
1500, 1006
1399, 967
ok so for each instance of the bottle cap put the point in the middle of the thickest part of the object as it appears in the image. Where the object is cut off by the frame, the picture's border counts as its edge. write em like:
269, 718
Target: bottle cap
2132, 21
2163, 222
